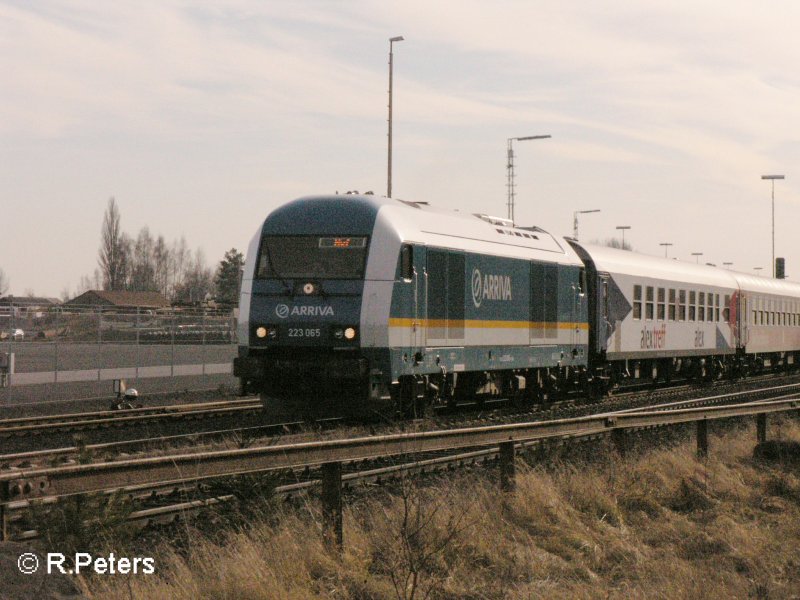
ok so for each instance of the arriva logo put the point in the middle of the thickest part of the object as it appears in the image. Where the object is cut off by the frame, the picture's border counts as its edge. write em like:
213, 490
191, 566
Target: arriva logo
489, 287
284, 311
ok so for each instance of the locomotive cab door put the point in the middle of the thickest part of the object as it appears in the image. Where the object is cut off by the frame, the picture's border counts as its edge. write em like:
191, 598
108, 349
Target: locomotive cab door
419, 333
601, 316
578, 312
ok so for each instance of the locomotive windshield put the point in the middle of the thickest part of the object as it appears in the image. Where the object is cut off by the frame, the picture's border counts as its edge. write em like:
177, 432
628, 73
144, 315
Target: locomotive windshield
312, 256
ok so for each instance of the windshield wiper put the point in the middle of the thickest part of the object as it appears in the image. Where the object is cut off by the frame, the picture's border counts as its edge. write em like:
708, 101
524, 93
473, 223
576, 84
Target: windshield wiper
286, 286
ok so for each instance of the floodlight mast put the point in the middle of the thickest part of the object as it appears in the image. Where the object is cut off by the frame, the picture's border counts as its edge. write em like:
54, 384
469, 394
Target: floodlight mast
772, 178
392, 40
510, 169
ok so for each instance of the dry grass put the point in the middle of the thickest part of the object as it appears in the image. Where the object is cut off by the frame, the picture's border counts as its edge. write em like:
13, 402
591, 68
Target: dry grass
663, 525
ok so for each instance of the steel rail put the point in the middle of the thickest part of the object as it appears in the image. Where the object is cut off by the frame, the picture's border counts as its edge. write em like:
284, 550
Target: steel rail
65, 417
717, 399
123, 419
7, 460
75, 479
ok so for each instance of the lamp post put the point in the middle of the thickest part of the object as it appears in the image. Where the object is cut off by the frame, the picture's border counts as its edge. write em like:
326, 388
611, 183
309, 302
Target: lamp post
772, 178
392, 40
666, 247
575, 220
510, 169
727, 265
757, 269
697, 255
623, 228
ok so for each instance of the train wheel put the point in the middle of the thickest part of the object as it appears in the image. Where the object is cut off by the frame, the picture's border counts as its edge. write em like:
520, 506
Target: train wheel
410, 403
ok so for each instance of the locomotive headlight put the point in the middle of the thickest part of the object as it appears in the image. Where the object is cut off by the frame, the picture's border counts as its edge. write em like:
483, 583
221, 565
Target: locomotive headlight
338, 334
350, 333
261, 332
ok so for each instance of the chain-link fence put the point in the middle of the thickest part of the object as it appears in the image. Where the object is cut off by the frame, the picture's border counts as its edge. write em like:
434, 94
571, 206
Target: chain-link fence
42, 346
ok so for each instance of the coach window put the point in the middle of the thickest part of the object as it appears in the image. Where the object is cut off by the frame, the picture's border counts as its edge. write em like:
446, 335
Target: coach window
649, 305
726, 311
406, 262
661, 311
681, 305
710, 307
673, 308
692, 305
637, 302
701, 306
716, 307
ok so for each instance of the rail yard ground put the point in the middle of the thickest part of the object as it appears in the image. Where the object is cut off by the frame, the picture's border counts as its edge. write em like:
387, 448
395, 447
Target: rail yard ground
659, 524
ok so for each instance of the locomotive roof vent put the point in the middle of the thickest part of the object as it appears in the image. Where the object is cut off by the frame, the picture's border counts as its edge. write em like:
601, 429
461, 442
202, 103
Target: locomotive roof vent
413, 204
495, 220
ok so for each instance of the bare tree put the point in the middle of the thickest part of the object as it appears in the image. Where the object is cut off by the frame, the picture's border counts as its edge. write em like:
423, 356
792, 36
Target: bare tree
84, 286
112, 257
619, 244
142, 268
197, 282
161, 261
427, 525
3, 282
180, 258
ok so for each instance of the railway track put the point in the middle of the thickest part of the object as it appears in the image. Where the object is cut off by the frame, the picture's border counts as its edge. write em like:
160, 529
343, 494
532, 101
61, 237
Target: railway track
32, 433
491, 413
193, 496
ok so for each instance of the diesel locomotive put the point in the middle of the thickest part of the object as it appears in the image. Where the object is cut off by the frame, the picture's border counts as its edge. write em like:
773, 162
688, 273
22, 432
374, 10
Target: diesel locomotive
379, 304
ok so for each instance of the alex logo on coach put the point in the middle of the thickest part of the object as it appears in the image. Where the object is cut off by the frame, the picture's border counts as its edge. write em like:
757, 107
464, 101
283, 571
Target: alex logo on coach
489, 287
283, 311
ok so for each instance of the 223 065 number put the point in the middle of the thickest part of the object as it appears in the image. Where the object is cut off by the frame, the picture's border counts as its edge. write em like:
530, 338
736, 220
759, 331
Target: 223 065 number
310, 332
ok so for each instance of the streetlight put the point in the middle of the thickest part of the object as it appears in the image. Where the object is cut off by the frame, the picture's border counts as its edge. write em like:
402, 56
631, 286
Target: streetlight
575, 221
623, 228
697, 255
772, 178
666, 247
757, 269
727, 264
392, 40
510, 167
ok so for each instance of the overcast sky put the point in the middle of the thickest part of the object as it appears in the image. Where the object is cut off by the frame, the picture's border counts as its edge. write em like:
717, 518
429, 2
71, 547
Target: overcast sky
200, 119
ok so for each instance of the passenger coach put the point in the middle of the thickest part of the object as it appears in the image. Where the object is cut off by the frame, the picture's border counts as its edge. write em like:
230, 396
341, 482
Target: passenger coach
768, 321
652, 317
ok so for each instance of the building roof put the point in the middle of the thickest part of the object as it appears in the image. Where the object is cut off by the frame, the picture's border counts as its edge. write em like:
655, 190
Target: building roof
121, 298
28, 301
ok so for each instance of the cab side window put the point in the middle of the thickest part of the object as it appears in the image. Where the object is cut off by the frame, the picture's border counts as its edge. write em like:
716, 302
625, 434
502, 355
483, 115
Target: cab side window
407, 262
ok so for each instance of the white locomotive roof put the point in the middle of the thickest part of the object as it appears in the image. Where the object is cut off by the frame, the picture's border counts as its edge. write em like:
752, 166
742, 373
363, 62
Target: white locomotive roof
626, 262
766, 285
419, 222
